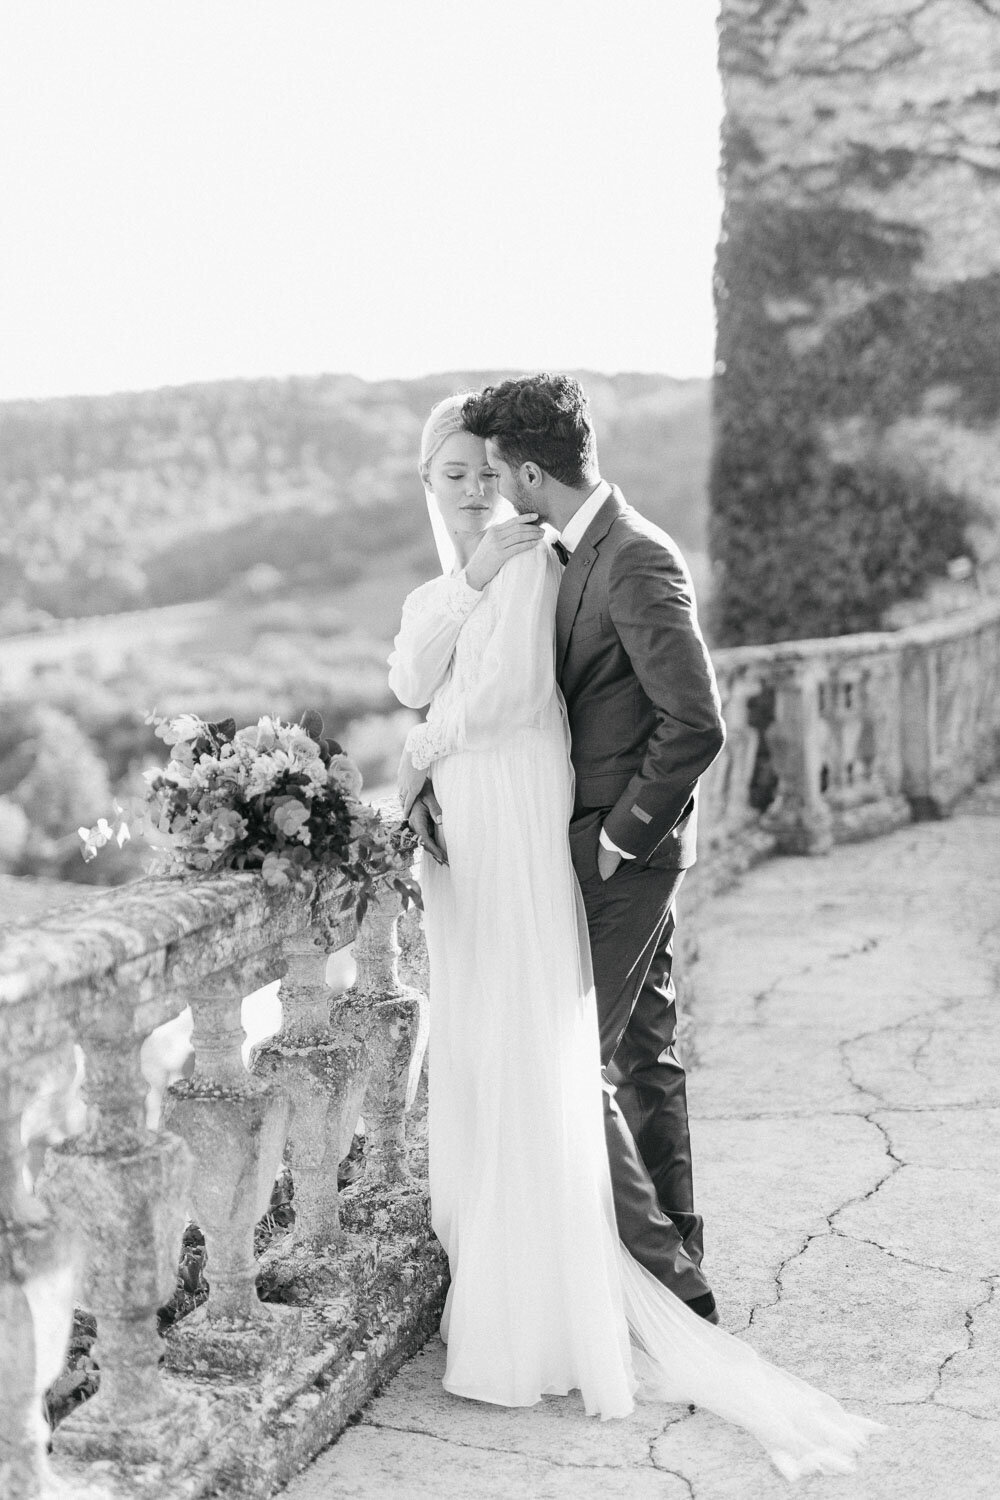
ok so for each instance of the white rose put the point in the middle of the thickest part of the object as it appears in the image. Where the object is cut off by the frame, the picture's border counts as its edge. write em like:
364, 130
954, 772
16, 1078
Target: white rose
344, 774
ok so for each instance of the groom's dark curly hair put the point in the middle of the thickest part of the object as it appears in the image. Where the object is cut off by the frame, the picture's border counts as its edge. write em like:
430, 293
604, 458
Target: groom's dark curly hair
544, 419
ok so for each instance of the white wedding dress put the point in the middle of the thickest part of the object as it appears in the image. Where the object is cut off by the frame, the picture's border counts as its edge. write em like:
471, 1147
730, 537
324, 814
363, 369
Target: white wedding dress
544, 1298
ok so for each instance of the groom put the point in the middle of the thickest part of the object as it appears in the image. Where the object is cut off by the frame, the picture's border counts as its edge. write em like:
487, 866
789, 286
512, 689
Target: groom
645, 721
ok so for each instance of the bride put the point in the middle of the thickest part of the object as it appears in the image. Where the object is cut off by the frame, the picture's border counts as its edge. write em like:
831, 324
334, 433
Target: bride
544, 1298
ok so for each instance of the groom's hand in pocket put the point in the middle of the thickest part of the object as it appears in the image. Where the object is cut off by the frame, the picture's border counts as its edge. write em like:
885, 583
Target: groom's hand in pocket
608, 861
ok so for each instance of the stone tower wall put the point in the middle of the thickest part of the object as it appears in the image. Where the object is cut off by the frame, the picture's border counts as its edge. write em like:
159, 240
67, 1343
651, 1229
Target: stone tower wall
858, 297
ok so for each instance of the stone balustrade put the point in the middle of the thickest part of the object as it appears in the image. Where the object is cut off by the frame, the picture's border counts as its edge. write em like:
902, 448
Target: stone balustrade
828, 740
838, 739
103, 1223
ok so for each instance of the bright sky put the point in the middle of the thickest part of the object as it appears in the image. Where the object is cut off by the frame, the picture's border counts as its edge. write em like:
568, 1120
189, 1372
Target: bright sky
193, 189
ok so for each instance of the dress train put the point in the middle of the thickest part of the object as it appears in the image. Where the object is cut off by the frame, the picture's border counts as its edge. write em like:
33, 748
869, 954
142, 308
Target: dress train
677, 1356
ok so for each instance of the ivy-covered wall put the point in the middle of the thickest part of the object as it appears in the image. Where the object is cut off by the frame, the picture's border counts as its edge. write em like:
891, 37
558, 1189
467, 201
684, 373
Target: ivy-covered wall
857, 397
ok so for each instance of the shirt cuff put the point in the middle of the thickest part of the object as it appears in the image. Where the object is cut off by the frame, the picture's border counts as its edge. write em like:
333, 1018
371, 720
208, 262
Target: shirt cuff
613, 848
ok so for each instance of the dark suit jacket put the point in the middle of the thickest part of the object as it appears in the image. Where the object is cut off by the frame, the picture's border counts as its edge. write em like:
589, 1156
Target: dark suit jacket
643, 704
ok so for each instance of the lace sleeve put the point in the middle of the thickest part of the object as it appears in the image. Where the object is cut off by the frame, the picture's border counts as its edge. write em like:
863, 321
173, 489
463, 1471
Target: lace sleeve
516, 673
432, 619
427, 743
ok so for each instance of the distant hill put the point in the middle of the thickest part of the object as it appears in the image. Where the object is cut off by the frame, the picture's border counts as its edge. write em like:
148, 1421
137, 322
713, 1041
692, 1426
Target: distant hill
282, 523
110, 503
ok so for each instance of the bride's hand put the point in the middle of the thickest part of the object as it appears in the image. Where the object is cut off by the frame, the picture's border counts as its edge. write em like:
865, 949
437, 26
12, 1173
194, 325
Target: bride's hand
499, 545
409, 783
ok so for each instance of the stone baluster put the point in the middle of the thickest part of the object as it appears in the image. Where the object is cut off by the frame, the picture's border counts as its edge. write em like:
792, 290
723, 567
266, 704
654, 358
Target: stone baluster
125, 1187
397, 1028
728, 812
324, 1077
800, 817
362, 1055
235, 1125
985, 648
868, 800
928, 779
37, 1272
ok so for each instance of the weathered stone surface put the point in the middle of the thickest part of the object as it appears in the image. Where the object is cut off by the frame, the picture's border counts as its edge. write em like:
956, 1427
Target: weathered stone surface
556, 1427
929, 1062
791, 1199
337, 1058
820, 1174
249, 1434
822, 1162
291, 1375
326, 1085
969, 1141
927, 1452
137, 1181
397, 1019
934, 1215
36, 1308
141, 942
165, 1449
236, 1126
861, 1322
383, 1460
968, 1380
38, 1267
840, 739
745, 1069
858, 289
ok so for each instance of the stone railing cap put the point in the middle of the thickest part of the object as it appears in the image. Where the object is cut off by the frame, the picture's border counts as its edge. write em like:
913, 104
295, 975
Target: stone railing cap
85, 942
867, 643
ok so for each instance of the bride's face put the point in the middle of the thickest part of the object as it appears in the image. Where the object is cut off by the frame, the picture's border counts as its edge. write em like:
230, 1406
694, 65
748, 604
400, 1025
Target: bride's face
464, 484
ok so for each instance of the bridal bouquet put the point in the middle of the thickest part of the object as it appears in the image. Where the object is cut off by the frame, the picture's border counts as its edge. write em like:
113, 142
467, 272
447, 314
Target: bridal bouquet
273, 797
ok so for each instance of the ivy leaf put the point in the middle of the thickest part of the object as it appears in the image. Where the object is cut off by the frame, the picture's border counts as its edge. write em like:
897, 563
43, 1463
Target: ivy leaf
312, 723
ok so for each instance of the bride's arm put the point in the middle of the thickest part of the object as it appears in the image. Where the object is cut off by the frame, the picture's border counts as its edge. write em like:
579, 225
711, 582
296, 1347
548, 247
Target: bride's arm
516, 677
433, 616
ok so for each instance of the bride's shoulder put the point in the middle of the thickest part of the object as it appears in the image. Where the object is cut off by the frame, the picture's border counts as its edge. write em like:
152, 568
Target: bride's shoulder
531, 569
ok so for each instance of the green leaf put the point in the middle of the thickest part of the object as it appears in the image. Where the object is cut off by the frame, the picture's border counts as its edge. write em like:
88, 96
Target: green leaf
312, 723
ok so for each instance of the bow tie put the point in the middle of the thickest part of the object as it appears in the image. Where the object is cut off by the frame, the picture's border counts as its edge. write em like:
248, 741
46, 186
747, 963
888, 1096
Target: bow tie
561, 552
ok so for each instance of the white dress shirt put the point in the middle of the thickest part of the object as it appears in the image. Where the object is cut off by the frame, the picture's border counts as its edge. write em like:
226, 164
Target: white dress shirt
572, 535
577, 524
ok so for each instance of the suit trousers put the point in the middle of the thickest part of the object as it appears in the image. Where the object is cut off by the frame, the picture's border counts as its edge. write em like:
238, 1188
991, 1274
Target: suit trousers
631, 919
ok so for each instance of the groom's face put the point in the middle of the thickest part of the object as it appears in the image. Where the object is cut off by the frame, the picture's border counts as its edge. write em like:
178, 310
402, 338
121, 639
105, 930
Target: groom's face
510, 484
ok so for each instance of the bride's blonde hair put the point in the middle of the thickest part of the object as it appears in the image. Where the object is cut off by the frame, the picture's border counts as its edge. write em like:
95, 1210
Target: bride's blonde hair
445, 418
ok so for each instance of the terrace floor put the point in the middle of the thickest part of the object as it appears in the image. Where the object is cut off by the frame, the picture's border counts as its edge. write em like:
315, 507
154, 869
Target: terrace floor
845, 1102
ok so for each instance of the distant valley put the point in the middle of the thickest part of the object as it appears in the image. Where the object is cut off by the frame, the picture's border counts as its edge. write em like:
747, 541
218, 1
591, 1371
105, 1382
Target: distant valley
238, 548
121, 502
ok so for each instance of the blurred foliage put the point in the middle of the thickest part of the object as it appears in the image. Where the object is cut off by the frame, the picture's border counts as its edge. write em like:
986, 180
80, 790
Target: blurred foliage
51, 777
803, 545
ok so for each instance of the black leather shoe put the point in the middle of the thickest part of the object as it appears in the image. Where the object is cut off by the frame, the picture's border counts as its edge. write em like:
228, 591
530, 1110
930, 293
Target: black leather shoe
705, 1307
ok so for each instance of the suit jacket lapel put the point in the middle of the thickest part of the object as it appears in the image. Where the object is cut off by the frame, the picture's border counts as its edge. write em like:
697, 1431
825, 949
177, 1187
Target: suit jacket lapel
578, 571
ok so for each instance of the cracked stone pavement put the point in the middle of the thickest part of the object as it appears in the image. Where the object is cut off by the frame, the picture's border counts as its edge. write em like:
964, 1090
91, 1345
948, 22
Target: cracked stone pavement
845, 1108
